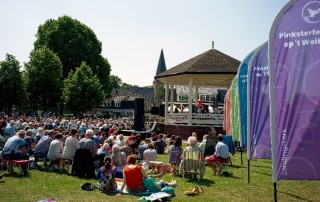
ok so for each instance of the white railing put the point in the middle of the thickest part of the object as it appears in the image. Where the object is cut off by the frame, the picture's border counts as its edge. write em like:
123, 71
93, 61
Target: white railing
197, 119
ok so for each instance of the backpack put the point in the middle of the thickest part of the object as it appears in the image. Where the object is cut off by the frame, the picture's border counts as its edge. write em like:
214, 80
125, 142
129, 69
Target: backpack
88, 186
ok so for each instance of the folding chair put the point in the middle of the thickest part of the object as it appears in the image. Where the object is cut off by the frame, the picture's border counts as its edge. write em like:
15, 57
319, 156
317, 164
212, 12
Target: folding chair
210, 146
191, 163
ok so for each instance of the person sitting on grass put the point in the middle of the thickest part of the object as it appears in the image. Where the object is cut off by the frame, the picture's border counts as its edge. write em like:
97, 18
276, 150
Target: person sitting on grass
220, 156
155, 186
150, 154
132, 176
126, 148
202, 145
106, 176
175, 152
143, 147
160, 144
118, 159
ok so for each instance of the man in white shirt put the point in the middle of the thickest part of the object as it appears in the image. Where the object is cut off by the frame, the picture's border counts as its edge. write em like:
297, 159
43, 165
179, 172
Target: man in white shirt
220, 156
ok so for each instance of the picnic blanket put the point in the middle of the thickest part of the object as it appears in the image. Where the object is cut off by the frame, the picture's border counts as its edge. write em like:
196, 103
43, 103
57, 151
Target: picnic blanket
155, 196
125, 191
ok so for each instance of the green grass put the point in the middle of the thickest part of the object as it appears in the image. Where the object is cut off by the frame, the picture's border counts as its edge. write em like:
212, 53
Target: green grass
63, 187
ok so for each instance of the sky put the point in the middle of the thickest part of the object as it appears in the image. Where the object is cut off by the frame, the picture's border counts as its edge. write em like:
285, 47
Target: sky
133, 32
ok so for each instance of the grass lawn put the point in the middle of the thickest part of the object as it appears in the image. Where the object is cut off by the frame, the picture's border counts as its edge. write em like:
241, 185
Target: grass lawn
63, 187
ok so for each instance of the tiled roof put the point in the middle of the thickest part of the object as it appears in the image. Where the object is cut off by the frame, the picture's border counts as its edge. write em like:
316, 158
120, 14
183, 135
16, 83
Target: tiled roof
148, 93
130, 94
209, 62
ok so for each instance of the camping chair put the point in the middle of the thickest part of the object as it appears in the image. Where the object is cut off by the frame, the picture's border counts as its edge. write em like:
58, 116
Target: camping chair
210, 146
191, 163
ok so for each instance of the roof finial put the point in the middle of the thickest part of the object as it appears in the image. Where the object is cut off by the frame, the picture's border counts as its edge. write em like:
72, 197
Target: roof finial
212, 44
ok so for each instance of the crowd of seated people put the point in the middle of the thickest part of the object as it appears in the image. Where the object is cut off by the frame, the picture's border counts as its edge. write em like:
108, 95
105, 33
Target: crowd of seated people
118, 156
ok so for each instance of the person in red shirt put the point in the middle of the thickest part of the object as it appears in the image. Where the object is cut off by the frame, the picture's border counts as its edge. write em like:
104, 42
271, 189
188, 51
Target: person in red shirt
132, 176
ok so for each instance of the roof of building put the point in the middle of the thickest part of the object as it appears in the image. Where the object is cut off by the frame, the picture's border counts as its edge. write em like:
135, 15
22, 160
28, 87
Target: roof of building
161, 64
211, 68
211, 61
131, 93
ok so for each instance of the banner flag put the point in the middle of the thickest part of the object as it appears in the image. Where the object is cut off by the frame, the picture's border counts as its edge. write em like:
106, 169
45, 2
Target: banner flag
242, 90
227, 112
259, 141
294, 80
235, 128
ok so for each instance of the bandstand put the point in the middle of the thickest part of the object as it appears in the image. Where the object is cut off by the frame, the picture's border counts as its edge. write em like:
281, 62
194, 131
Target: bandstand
211, 69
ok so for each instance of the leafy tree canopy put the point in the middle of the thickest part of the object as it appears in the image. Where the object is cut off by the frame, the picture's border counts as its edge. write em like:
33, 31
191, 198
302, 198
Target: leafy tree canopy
74, 42
12, 91
82, 91
44, 79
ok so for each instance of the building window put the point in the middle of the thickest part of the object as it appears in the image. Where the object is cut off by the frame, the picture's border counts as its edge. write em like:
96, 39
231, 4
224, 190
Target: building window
183, 97
108, 104
117, 104
206, 98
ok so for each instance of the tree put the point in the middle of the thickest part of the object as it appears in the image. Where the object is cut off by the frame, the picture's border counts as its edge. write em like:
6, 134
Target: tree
74, 43
160, 92
82, 90
114, 83
126, 85
12, 92
44, 79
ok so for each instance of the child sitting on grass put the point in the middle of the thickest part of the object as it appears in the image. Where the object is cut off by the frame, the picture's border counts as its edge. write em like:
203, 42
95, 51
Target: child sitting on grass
106, 176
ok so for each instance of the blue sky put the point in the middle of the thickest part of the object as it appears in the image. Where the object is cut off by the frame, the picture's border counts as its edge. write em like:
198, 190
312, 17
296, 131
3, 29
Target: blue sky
133, 32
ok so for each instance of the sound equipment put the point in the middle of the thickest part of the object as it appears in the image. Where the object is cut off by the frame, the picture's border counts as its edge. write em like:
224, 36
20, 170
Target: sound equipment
139, 106
161, 110
155, 110
138, 114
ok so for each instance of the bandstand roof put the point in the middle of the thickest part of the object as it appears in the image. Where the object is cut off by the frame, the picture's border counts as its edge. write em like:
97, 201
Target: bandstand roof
211, 68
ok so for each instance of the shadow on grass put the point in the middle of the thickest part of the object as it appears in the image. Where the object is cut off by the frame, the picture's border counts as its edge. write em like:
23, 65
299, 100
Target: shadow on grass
289, 194
295, 196
14, 174
54, 170
267, 174
236, 166
202, 182
260, 166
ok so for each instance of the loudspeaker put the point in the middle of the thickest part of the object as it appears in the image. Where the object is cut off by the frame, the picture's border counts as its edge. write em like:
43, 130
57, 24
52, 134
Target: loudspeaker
139, 106
161, 110
155, 110
138, 122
